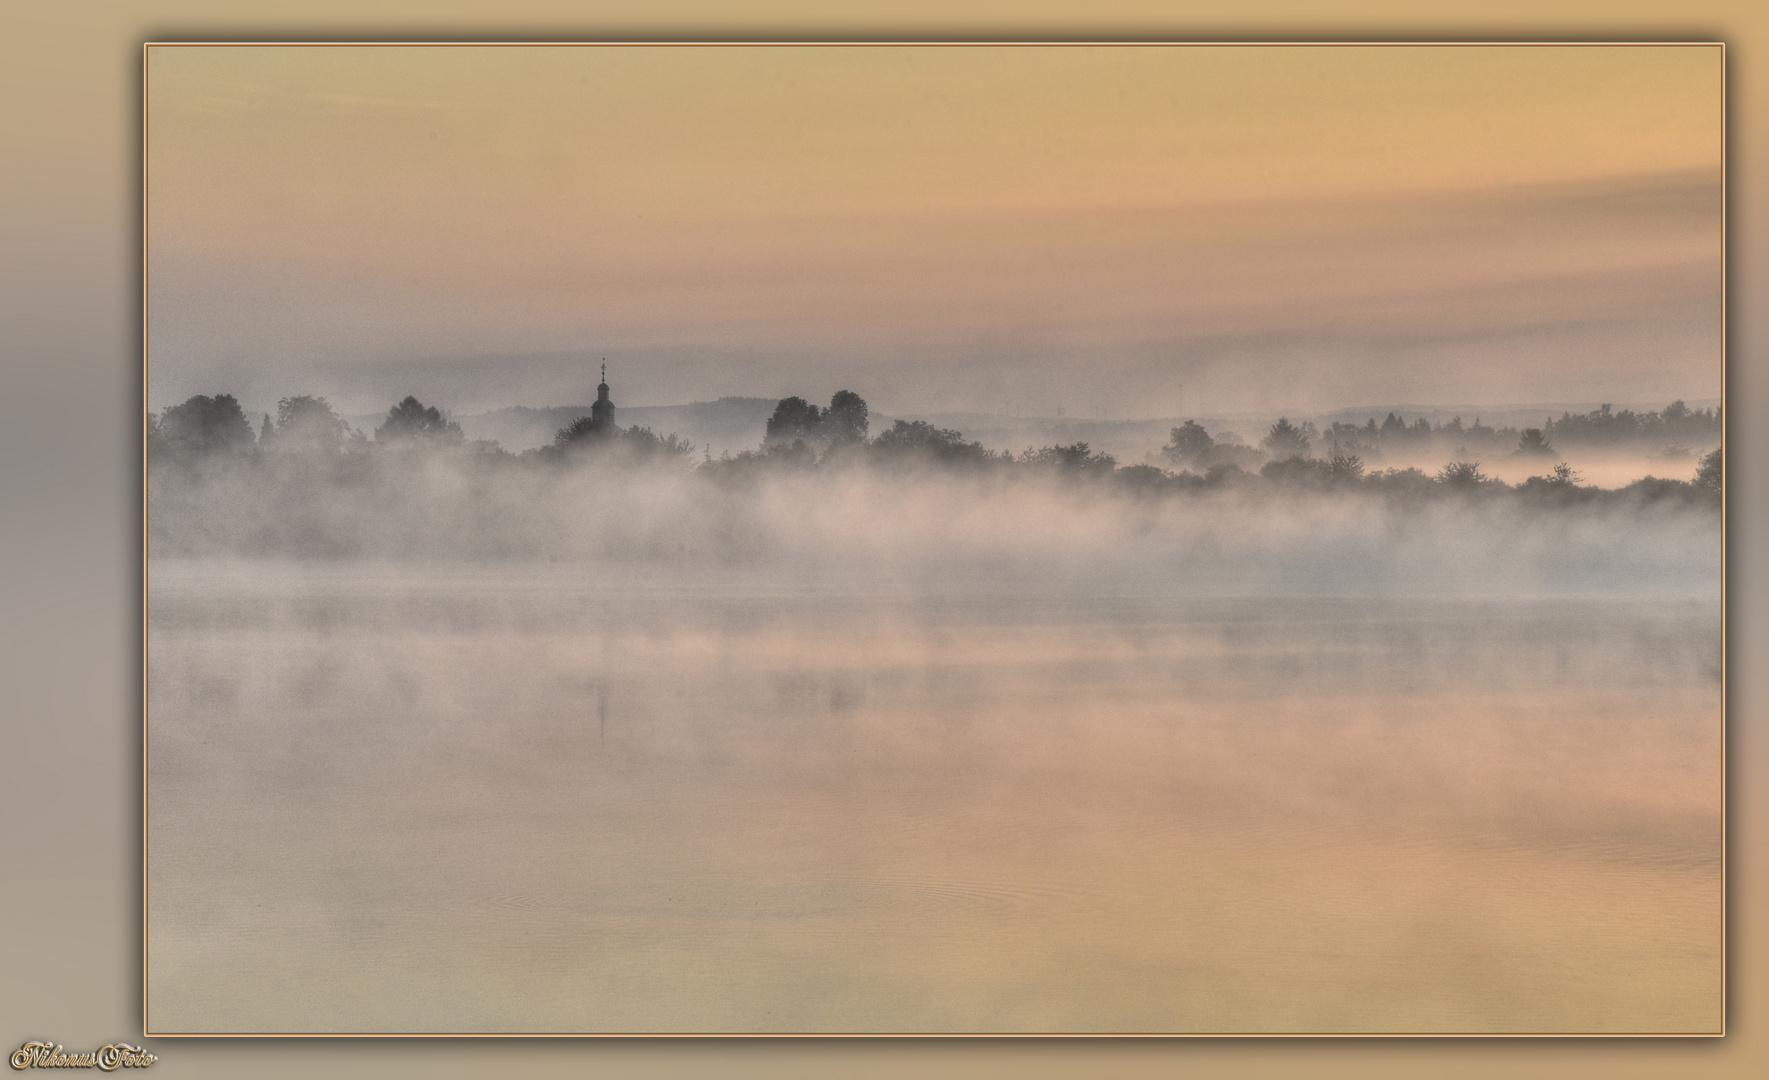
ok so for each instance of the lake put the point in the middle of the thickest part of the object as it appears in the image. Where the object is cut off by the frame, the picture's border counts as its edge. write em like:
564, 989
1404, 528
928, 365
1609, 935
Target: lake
571, 797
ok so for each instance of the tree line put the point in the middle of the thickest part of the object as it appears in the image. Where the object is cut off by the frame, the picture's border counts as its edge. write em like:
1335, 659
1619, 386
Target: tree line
1674, 428
206, 425
800, 435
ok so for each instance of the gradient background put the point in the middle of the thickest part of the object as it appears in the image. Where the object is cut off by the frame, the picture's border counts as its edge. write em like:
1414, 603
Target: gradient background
69, 546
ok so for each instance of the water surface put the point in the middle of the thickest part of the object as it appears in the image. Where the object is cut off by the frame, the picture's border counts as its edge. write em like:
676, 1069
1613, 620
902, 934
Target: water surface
561, 798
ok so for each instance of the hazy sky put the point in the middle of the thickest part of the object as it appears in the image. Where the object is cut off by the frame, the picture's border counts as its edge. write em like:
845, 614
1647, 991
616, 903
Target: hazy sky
1122, 231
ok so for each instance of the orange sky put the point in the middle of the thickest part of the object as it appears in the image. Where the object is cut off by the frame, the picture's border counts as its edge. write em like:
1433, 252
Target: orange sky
1137, 230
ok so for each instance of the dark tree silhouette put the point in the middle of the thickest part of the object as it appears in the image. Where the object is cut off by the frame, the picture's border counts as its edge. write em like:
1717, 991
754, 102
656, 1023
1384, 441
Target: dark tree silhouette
1351, 439
909, 441
1710, 471
1285, 440
1461, 474
203, 425
643, 444
410, 422
1144, 479
584, 440
1228, 474
1190, 444
1561, 481
1534, 443
308, 423
794, 418
1296, 471
1345, 467
1075, 459
582, 430
845, 421
1191, 447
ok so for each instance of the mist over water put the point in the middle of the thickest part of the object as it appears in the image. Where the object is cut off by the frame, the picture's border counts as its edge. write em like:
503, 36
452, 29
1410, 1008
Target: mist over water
906, 529
442, 746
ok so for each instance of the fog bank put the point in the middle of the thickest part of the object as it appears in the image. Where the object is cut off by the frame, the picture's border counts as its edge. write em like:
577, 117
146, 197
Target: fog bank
1017, 531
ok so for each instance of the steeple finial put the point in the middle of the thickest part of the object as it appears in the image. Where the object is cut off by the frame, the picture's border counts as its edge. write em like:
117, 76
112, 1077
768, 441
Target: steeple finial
604, 371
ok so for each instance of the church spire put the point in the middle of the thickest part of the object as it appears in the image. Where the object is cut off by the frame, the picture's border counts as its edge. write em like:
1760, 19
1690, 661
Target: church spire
602, 412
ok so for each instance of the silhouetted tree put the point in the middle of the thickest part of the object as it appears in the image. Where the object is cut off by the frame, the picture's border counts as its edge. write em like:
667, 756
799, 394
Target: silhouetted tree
1191, 447
410, 422
582, 430
308, 423
1710, 471
1285, 440
203, 425
794, 418
845, 420
1075, 459
1190, 444
1409, 483
583, 440
1143, 479
1345, 467
1534, 443
1561, 483
1229, 474
1295, 471
917, 440
1461, 474
643, 444
1352, 439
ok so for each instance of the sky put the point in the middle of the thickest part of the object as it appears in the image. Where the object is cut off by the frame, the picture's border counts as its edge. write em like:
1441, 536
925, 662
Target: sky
1113, 231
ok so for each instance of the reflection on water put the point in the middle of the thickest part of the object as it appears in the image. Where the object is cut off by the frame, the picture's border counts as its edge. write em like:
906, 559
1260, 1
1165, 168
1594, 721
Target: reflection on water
526, 799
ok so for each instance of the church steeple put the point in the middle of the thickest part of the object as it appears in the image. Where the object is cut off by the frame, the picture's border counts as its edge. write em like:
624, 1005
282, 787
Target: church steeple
602, 412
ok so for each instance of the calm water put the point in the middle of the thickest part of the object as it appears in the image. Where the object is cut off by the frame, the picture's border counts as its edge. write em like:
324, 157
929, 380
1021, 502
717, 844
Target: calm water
537, 799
